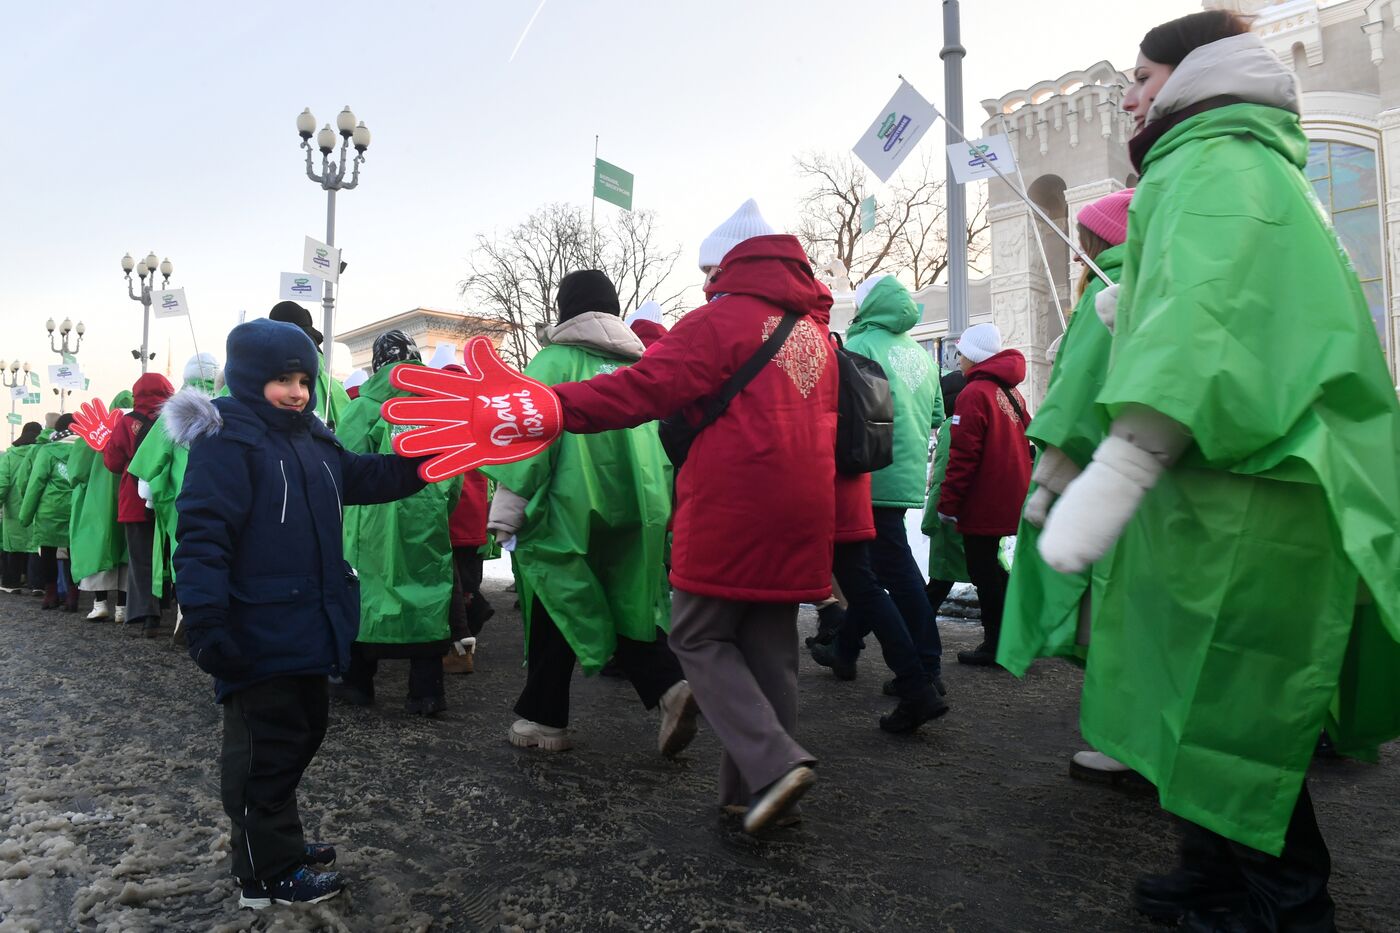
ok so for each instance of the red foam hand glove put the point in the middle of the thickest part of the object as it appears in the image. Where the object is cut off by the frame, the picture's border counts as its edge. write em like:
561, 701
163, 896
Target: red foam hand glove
94, 423
493, 414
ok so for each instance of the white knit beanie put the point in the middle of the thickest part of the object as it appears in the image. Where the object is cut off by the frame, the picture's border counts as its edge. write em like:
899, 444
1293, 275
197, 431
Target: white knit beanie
745, 223
980, 342
201, 366
651, 311
358, 378
444, 354
865, 288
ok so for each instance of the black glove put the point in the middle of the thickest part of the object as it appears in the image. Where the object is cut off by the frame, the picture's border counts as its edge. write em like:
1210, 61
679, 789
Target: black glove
212, 648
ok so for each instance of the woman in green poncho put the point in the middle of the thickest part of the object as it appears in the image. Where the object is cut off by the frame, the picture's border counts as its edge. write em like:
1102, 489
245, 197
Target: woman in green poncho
14, 535
1249, 481
48, 507
401, 551
97, 549
1047, 613
947, 561
589, 517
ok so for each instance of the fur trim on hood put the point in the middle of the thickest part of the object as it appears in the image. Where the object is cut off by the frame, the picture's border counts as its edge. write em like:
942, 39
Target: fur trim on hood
190, 414
601, 331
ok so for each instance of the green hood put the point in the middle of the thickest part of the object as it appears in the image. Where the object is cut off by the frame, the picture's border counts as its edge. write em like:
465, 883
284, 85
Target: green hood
122, 399
889, 306
377, 387
1277, 129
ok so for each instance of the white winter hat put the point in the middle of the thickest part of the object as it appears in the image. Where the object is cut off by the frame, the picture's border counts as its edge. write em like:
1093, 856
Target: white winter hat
444, 354
980, 342
651, 311
201, 366
864, 288
745, 223
358, 378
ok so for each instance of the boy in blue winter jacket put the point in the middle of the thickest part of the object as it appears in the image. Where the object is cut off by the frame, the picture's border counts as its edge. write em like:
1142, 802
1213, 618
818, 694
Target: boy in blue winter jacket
271, 607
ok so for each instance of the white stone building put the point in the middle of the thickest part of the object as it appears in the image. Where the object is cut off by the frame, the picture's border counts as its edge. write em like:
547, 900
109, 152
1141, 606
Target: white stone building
1070, 137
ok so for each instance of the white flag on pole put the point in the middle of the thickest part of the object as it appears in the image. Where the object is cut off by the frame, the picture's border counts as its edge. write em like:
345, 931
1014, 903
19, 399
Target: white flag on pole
896, 131
321, 260
297, 286
66, 376
169, 302
974, 161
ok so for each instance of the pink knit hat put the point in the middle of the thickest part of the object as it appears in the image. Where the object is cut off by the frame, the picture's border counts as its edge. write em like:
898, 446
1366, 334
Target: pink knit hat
1108, 217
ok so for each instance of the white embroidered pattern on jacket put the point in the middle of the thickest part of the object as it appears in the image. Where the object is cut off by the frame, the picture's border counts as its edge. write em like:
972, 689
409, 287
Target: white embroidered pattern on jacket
911, 365
803, 356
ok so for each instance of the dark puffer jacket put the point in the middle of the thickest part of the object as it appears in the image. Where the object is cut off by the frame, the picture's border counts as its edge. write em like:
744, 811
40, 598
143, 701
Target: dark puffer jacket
258, 540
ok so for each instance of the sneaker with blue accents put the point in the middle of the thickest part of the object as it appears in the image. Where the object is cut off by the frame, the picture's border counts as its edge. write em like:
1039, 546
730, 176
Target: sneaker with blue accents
319, 855
303, 886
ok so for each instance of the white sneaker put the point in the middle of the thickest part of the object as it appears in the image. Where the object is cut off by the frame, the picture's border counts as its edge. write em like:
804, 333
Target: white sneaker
119, 615
1098, 761
99, 611
526, 734
777, 798
1098, 768
678, 714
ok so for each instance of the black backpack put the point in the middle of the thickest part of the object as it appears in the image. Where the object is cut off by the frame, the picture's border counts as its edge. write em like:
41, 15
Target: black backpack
864, 414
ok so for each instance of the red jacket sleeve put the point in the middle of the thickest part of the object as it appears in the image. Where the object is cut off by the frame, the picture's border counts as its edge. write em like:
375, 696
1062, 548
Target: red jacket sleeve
967, 435
121, 447
688, 365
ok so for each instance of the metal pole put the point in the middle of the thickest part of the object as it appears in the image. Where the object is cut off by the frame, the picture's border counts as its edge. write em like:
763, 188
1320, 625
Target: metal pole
593, 201
328, 300
146, 324
1039, 240
952, 55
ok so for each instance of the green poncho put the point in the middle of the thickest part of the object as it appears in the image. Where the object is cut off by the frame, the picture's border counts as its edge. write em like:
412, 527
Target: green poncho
97, 541
160, 462
593, 541
1042, 606
14, 471
947, 560
880, 332
48, 494
1231, 633
401, 550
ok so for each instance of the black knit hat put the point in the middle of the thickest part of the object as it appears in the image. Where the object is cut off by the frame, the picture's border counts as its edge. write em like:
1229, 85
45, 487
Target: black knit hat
29, 433
289, 312
393, 347
952, 383
584, 291
260, 351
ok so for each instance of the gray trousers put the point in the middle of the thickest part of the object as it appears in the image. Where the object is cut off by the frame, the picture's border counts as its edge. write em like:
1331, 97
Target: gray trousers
140, 540
741, 661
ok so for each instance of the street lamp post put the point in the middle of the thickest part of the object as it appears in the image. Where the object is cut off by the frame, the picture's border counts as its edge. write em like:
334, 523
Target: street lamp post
332, 179
65, 353
10, 379
144, 267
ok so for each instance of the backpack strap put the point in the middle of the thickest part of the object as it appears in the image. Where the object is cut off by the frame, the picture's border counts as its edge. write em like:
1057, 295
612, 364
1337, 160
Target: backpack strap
1015, 406
746, 373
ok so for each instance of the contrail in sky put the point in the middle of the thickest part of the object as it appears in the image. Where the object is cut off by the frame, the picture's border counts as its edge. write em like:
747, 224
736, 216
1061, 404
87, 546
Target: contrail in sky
519, 41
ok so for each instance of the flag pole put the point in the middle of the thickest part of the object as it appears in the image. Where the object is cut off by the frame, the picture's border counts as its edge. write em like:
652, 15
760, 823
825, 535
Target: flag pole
952, 55
593, 201
1039, 240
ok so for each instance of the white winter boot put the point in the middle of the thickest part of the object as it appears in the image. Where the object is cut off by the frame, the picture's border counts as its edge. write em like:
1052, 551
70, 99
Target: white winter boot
119, 615
527, 734
99, 612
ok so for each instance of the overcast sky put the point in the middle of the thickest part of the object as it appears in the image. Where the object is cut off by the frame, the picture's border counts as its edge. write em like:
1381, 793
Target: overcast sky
171, 127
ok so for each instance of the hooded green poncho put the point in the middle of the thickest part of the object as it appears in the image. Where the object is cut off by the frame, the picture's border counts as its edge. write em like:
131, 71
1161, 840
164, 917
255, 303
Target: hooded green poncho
97, 543
1255, 596
14, 472
1042, 606
880, 332
593, 544
48, 494
401, 550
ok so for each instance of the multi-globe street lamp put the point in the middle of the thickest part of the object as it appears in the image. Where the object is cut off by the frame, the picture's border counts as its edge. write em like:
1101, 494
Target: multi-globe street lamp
332, 179
66, 353
145, 267
11, 379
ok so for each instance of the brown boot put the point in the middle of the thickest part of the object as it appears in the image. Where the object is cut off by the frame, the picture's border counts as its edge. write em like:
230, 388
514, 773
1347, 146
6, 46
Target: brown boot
50, 597
70, 602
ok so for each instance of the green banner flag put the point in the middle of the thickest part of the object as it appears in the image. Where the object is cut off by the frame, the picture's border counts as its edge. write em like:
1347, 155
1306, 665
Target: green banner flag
34, 379
867, 214
612, 184
14, 418
33, 398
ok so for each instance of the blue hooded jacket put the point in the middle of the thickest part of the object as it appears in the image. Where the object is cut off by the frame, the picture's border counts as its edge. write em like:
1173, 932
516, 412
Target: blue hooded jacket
258, 535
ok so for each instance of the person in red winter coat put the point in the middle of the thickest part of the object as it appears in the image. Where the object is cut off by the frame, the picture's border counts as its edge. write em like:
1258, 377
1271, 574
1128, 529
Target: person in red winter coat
646, 323
989, 471
149, 393
755, 499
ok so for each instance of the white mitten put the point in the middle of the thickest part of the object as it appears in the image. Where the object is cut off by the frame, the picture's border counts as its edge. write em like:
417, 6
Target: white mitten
1038, 506
507, 513
1055, 470
1106, 306
143, 489
1053, 350
1094, 510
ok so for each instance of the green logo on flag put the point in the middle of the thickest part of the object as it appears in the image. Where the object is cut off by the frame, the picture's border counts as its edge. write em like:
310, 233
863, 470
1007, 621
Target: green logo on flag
612, 184
34, 379
867, 214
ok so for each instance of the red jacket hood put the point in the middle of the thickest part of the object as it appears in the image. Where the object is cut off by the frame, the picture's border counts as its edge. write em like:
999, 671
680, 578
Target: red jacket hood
775, 269
1007, 367
150, 392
